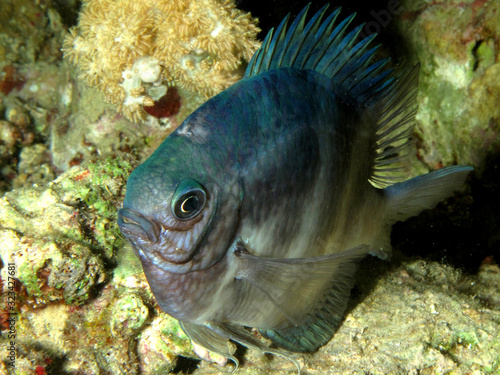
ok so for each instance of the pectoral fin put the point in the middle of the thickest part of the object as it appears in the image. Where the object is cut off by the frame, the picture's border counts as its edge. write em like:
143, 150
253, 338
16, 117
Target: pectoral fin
312, 293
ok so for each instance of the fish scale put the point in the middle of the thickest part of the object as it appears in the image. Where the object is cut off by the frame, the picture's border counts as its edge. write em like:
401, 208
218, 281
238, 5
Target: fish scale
257, 210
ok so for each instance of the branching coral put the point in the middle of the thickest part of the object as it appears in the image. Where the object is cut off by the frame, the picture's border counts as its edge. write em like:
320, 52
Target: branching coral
133, 50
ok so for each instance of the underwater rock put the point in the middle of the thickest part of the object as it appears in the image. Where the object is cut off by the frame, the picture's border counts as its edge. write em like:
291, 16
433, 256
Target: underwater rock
19, 118
456, 42
132, 51
421, 317
50, 271
34, 166
93, 128
29, 32
81, 308
487, 287
71, 121
60, 235
9, 136
160, 345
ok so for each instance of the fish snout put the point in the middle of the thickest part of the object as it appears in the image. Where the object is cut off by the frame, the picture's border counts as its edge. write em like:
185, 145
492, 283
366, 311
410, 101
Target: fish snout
134, 224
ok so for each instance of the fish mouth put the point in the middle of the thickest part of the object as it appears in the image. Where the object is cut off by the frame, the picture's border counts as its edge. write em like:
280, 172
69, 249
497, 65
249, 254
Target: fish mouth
132, 223
170, 248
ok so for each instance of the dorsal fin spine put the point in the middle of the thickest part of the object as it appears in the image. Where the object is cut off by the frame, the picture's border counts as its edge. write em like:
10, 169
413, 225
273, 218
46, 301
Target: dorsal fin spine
354, 53
325, 29
371, 70
360, 57
360, 72
319, 45
263, 51
333, 40
295, 33
297, 24
310, 31
328, 24
279, 36
339, 55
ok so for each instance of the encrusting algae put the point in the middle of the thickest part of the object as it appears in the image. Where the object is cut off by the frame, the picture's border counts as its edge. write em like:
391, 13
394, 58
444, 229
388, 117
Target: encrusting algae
133, 51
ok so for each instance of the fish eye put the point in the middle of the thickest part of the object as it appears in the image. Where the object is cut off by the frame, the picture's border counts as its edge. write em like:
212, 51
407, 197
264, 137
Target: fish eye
189, 200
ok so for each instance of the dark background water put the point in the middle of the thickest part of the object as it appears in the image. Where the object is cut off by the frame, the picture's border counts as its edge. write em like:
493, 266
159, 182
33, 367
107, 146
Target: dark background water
378, 15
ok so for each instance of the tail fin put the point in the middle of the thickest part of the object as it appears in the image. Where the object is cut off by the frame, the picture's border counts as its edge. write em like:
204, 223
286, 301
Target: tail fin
409, 198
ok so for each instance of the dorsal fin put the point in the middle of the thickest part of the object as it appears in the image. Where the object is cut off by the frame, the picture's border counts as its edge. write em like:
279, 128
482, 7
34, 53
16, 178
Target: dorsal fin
324, 47
395, 112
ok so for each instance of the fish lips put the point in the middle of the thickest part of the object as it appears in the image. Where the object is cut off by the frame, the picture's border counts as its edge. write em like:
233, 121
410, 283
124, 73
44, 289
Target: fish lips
153, 243
145, 237
133, 224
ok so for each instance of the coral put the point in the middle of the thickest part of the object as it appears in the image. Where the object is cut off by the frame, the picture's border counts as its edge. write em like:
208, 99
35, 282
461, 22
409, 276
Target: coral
456, 43
134, 50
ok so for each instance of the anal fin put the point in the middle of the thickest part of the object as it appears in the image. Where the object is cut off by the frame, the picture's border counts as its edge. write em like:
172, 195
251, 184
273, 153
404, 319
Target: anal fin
313, 334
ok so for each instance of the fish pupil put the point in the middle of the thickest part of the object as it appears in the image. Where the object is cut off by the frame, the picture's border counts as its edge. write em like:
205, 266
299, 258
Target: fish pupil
189, 204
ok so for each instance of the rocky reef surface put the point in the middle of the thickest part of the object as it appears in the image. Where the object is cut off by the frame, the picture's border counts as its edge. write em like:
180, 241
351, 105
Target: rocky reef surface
83, 305
457, 45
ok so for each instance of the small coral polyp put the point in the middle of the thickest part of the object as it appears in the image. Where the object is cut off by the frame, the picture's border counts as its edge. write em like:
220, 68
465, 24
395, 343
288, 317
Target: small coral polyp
133, 50
142, 84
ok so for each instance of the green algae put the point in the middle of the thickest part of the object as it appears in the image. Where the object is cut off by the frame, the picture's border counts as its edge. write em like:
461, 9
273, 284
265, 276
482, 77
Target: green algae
174, 332
98, 187
484, 54
129, 315
68, 230
28, 277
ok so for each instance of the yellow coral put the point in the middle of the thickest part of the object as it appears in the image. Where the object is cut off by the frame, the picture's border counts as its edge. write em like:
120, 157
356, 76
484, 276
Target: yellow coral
132, 50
